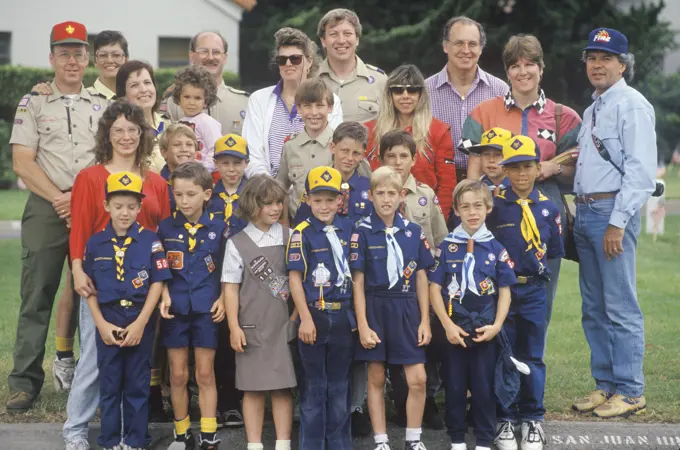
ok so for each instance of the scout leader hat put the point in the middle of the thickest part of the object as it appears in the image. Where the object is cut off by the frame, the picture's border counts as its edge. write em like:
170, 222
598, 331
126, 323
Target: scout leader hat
323, 179
493, 138
232, 144
68, 33
520, 148
607, 40
124, 183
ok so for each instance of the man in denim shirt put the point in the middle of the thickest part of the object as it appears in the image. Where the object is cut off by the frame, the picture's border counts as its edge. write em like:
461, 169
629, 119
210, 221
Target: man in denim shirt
609, 196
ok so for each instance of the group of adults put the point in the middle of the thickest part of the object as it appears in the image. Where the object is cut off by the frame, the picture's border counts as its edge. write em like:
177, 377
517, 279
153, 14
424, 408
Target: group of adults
58, 137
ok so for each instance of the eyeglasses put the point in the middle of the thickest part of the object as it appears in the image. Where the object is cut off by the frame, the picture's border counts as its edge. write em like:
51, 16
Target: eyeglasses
119, 133
295, 60
458, 44
205, 52
65, 57
398, 89
116, 57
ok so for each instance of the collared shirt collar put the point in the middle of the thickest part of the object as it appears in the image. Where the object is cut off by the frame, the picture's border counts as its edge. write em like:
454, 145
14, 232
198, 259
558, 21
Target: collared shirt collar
221, 91
159, 123
275, 232
511, 197
538, 104
353, 179
56, 93
443, 77
103, 89
360, 70
278, 89
410, 183
109, 234
319, 225
180, 219
378, 225
324, 138
619, 85
219, 186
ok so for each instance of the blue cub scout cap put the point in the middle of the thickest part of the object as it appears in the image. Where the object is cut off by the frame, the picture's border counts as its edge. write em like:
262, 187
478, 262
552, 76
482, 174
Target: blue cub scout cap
607, 40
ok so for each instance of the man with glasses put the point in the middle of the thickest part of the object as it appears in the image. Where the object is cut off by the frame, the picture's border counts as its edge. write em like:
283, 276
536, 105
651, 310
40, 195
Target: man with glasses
209, 50
52, 140
462, 84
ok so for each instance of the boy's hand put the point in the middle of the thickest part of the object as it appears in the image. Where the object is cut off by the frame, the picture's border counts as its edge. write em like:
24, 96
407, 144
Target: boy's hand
133, 334
82, 284
217, 311
424, 334
166, 303
369, 338
455, 334
111, 334
307, 331
486, 333
237, 339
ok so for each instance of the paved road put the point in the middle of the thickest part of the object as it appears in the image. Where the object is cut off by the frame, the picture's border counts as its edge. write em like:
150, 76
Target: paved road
567, 435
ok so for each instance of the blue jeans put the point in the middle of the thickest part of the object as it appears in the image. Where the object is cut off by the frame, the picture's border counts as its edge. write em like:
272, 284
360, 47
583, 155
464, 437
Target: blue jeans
611, 316
324, 385
83, 399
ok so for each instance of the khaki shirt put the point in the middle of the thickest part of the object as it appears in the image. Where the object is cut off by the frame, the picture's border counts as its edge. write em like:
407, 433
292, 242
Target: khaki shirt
230, 109
63, 137
360, 94
422, 207
100, 88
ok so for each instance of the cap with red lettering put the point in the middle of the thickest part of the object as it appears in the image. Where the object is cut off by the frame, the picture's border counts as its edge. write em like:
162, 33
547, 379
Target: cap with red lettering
68, 33
607, 40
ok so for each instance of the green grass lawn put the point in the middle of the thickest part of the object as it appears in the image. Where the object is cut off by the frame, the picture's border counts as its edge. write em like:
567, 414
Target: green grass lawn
12, 204
672, 180
567, 354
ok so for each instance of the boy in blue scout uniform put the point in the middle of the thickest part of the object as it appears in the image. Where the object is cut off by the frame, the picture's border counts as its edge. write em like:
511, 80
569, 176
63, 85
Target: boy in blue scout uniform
321, 285
231, 160
192, 305
529, 226
348, 147
127, 265
388, 257
470, 293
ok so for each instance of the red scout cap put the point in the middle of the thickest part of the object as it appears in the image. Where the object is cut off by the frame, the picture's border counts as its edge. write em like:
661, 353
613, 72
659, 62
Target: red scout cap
68, 33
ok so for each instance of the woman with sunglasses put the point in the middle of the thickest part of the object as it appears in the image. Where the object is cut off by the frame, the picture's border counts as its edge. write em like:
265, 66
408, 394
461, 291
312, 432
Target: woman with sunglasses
405, 105
272, 114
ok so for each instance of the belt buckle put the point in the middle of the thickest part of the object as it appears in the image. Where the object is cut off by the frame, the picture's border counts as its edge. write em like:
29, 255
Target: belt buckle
334, 306
522, 280
125, 303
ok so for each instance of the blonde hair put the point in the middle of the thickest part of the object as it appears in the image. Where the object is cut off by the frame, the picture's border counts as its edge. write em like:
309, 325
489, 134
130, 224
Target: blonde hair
259, 191
387, 176
406, 74
474, 186
174, 130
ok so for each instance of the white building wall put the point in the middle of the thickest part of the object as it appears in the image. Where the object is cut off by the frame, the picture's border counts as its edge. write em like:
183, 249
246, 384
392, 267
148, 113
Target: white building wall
141, 21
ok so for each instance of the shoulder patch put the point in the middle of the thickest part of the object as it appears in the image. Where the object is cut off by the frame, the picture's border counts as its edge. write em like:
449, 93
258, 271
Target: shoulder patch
25, 99
238, 91
377, 69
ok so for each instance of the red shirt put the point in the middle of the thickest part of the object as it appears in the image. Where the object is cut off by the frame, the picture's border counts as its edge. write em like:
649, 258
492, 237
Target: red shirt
436, 168
87, 205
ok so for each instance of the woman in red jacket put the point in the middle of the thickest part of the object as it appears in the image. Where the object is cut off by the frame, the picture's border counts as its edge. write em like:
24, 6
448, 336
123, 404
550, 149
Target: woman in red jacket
124, 143
405, 105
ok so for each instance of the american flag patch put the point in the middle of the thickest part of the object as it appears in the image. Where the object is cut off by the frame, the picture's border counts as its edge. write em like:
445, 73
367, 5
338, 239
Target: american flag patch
297, 237
156, 247
24, 100
355, 237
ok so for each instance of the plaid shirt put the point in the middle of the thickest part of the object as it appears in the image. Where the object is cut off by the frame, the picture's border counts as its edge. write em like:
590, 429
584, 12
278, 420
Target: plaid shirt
452, 108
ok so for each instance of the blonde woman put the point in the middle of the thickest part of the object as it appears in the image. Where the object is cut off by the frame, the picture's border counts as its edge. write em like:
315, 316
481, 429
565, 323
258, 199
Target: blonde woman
405, 105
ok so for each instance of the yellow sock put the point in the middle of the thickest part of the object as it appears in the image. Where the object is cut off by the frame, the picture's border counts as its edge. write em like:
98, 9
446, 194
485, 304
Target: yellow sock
208, 425
155, 377
65, 344
182, 426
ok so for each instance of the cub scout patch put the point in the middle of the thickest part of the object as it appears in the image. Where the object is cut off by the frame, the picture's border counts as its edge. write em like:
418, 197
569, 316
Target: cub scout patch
540, 252
137, 283
453, 248
545, 212
292, 257
260, 268
176, 259
161, 264
505, 257
156, 247
422, 201
487, 286
209, 263
143, 274
408, 233
353, 257
408, 271
364, 195
212, 235
492, 257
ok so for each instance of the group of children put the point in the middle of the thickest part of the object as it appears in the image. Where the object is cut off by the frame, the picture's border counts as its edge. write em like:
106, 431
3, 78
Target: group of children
353, 281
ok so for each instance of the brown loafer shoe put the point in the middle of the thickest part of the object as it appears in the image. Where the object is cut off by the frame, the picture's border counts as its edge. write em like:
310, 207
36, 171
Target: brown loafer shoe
591, 401
620, 406
19, 402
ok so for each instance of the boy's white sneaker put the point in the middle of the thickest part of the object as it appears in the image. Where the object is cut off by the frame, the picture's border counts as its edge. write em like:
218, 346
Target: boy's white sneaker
382, 446
533, 437
505, 436
458, 446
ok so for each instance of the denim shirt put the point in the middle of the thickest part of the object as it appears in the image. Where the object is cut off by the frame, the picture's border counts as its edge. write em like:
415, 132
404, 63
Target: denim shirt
624, 121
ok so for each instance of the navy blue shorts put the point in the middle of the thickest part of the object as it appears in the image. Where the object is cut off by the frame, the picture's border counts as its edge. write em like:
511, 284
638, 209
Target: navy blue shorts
395, 318
190, 330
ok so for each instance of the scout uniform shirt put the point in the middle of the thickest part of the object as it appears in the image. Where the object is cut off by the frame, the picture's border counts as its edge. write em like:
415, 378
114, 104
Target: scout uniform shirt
195, 253
360, 94
165, 173
123, 268
100, 88
309, 252
422, 207
63, 136
505, 222
355, 204
368, 252
224, 206
230, 109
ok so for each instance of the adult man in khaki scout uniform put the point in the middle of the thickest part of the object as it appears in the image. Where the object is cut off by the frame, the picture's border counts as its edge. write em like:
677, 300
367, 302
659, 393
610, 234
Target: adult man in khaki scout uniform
209, 50
52, 140
358, 85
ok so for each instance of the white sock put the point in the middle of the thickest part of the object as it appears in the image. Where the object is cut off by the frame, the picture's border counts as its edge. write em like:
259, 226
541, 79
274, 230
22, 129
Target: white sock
482, 448
413, 434
257, 446
381, 439
282, 445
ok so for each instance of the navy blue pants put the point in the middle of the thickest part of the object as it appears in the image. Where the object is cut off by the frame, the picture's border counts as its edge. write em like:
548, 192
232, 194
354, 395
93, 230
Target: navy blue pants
124, 376
324, 384
525, 327
470, 368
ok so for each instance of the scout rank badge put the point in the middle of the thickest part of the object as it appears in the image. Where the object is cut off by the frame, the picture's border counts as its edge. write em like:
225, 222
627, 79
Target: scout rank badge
277, 285
487, 286
209, 263
139, 281
321, 276
454, 293
408, 271
541, 252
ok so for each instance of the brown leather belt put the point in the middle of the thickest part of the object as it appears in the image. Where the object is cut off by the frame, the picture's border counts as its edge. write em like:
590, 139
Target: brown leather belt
589, 198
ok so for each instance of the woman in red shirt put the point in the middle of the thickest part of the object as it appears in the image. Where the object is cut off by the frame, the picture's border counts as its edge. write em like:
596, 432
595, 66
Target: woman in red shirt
405, 105
124, 143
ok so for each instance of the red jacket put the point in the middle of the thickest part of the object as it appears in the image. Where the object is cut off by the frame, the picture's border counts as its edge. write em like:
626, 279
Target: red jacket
87, 206
436, 168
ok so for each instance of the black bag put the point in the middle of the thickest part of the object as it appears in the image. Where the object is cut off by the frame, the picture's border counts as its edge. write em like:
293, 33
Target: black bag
568, 221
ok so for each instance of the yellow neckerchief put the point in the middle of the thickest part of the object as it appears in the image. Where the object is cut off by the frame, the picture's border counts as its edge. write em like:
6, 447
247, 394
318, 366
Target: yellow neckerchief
192, 230
528, 226
120, 256
228, 204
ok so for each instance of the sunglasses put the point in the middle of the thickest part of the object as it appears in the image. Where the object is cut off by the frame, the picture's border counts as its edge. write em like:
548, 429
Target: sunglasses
295, 60
400, 88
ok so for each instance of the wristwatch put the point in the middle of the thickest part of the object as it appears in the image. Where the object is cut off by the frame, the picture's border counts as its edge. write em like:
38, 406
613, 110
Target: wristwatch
560, 170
